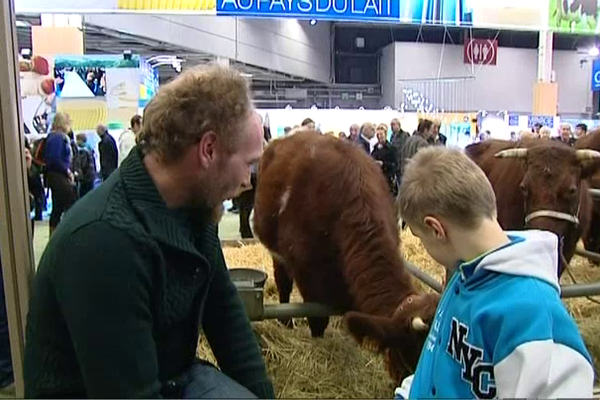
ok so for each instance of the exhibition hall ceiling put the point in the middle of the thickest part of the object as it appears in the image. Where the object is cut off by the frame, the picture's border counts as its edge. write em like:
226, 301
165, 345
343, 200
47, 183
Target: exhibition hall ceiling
100, 40
572, 16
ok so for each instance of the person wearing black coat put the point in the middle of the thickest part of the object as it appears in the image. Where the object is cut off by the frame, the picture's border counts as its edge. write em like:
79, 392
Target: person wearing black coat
385, 155
367, 131
109, 153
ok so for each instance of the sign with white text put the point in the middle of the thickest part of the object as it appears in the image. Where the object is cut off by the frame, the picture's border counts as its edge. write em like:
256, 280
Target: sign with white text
596, 76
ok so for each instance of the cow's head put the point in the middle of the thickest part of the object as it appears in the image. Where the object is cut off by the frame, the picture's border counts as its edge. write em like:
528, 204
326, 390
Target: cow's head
552, 184
401, 336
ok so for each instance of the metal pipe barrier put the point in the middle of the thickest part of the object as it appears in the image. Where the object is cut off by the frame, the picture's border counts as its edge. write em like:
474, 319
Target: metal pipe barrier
580, 290
297, 310
424, 277
587, 254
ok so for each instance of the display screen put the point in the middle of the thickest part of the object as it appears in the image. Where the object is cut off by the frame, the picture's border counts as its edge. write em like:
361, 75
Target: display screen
80, 81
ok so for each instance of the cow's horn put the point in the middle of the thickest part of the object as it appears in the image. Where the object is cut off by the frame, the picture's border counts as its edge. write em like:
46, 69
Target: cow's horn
418, 324
583, 155
512, 153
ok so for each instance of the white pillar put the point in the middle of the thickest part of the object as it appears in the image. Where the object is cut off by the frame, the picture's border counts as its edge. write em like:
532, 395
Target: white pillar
15, 229
545, 56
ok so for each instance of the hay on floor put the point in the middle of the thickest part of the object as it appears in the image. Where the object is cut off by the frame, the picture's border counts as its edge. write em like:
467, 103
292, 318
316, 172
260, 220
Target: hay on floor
335, 367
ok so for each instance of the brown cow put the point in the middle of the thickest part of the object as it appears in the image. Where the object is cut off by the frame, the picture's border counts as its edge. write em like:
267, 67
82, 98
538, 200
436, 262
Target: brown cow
324, 211
591, 240
539, 185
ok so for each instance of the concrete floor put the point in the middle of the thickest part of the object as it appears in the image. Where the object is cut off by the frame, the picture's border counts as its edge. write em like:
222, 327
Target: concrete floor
228, 229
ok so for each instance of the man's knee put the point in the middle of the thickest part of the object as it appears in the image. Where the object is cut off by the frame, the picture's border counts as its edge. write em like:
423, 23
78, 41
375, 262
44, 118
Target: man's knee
205, 381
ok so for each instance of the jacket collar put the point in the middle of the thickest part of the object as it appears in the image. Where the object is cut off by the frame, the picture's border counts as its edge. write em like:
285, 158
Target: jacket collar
175, 228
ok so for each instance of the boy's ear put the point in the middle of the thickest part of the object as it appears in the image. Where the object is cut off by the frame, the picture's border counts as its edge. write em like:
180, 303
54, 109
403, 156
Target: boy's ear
436, 226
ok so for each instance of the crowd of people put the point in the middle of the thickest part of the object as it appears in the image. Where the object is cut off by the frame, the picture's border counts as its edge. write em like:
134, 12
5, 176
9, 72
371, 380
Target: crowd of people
66, 164
390, 154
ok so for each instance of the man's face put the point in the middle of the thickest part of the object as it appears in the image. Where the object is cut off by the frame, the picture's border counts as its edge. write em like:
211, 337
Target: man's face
395, 126
100, 131
310, 126
353, 131
136, 128
579, 132
369, 132
565, 133
230, 171
435, 130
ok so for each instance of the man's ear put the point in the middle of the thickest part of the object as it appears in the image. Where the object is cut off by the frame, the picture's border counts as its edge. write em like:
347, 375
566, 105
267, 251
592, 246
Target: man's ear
207, 148
435, 226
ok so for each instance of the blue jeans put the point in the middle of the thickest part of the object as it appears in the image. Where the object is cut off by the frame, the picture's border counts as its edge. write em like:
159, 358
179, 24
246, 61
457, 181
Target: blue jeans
203, 381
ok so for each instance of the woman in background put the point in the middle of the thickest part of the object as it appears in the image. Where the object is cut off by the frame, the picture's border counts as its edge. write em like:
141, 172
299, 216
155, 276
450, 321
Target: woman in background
385, 155
58, 156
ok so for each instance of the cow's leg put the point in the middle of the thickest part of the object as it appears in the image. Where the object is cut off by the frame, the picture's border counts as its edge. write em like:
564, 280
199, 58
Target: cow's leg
317, 326
284, 287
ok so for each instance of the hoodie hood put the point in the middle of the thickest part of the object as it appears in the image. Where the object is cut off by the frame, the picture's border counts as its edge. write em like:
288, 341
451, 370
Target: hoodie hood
530, 253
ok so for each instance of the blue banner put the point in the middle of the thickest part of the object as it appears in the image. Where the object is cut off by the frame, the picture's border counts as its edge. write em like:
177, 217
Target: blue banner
596, 76
360, 10
544, 120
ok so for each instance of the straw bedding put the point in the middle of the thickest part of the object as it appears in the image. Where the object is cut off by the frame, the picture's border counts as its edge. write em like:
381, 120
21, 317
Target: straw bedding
335, 367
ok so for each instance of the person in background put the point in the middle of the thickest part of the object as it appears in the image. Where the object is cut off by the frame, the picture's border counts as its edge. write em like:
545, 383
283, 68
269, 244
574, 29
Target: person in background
137, 270
526, 134
128, 138
501, 329
309, 124
367, 132
513, 136
545, 133
437, 138
109, 154
58, 158
84, 166
416, 142
354, 129
536, 129
580, 130
34, 184
399, 138
566, 135
246, 204
385, 155
287, 130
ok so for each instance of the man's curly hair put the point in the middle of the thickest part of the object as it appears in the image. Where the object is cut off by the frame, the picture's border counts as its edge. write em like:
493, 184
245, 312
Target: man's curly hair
207, 98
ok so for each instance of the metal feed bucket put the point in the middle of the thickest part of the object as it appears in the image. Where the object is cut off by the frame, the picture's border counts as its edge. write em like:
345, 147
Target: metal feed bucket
250, 285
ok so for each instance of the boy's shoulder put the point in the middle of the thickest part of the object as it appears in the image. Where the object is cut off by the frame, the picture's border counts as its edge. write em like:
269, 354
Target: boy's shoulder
514, 310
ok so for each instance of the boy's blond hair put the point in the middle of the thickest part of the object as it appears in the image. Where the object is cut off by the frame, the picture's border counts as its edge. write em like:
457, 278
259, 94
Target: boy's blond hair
445, 183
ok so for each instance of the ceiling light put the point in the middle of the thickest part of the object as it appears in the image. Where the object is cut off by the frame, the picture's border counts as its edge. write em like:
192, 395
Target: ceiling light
313, 22
594, 52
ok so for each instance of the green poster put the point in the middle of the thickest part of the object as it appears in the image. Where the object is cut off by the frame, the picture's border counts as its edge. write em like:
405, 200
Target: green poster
574, 16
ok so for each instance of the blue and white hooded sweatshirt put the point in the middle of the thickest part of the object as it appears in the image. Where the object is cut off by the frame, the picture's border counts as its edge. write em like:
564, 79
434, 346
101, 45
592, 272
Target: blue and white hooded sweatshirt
502, 331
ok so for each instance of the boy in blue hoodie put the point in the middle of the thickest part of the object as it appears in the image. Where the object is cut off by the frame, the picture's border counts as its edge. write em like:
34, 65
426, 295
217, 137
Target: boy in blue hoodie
500, 329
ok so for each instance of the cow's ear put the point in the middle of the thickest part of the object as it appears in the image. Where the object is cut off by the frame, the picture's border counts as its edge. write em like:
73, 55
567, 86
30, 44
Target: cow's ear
589, 168
365, 327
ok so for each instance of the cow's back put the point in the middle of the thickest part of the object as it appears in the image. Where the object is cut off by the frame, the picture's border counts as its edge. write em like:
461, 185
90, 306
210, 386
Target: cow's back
323, 207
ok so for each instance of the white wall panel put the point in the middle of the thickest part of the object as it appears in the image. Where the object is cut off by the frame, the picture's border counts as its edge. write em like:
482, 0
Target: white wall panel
505, 86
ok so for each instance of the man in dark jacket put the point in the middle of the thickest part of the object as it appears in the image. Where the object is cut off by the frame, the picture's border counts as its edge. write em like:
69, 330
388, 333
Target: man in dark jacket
136, 268
84, 166
109, 153
399, 138
367, 132
417, 141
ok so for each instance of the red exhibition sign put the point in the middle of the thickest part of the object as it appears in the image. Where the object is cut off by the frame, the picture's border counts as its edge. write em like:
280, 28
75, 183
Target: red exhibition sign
481, 51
